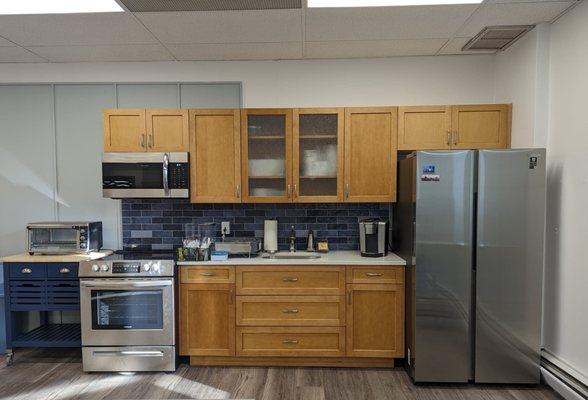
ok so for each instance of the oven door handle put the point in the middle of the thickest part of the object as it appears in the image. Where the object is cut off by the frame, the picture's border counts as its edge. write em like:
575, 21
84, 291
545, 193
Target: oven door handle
135, 353
111, 284
166, 174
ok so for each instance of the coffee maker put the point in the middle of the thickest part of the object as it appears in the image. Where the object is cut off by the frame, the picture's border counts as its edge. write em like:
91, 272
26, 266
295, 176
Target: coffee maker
373, 237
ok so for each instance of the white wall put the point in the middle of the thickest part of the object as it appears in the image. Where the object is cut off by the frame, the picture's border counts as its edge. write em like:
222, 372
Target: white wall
360, 82
566, 296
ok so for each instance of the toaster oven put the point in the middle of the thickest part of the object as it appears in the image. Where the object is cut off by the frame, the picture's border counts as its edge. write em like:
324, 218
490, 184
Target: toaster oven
64, 237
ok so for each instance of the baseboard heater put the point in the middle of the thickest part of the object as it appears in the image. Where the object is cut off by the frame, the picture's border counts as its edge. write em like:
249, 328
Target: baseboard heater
574, 380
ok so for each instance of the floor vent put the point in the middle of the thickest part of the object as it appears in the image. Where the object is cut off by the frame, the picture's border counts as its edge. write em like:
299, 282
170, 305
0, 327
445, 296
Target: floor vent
208, 5
496, 37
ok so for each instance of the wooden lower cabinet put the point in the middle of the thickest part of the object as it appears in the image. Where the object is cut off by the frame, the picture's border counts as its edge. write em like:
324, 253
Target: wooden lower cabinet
292, 315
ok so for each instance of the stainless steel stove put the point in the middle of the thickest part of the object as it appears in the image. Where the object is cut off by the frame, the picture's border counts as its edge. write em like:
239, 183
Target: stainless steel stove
127, 313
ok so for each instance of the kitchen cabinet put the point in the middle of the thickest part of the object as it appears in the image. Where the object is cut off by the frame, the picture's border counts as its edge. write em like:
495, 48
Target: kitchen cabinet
140, 130
207, 319
215, 156
454, 127
370, 154
375, 320
318, 137
266, 154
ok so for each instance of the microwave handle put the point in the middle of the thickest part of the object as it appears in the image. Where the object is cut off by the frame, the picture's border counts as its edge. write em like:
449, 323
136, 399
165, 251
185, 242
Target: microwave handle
166, 174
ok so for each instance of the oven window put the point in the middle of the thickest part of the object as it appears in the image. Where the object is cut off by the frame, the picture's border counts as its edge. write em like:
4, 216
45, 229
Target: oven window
132, 176
127, 309
54, 237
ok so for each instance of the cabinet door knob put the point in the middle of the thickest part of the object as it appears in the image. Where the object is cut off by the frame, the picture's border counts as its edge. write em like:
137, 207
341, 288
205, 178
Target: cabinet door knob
26, 270
290, 311
373, 274
290, 341
64, 270
290, 279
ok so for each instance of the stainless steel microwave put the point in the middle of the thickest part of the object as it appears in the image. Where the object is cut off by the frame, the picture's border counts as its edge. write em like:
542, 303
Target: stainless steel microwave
145, 175
64, 237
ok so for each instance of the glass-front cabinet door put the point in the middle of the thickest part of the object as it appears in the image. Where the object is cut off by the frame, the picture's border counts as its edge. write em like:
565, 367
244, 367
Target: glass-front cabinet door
318, 154
267, 155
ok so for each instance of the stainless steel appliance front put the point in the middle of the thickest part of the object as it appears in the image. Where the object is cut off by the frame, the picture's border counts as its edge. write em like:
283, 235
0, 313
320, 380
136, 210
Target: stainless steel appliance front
64, 237
127, 312
129, 358
145, 175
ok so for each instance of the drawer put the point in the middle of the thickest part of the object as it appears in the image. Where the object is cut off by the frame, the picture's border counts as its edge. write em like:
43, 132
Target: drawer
63, 295
202, 274
27, 271
368, 274
290, 280
27, 295
291, 341
62, 271
291, 310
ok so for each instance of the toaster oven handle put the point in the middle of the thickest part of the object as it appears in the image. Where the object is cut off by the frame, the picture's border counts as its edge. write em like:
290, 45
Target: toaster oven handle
166, 174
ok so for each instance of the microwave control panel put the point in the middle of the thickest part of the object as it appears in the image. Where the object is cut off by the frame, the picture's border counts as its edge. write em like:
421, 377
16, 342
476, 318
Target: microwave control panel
179, 176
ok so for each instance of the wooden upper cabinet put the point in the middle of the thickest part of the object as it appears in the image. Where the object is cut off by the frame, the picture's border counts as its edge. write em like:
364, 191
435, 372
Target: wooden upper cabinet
207, 319
375, 320
167, 130
266, 155
318, 137
370, 154
481, 126
424, 127
124, 130
215, 156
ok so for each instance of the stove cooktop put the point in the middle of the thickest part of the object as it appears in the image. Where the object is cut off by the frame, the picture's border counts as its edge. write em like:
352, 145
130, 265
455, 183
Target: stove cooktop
140, 255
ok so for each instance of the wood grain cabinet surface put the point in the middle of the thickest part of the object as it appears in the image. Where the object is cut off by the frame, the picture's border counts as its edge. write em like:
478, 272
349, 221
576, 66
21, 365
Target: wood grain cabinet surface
167, 130
215, 156
480, 126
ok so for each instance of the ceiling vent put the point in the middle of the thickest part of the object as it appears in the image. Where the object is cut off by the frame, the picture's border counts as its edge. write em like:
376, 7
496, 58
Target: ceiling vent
208, 5
497, 38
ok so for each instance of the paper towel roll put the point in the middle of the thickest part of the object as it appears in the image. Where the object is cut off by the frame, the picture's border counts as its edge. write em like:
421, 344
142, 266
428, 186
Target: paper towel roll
270, 235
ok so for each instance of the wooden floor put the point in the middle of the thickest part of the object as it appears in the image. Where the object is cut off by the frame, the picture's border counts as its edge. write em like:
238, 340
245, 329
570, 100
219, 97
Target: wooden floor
50, 374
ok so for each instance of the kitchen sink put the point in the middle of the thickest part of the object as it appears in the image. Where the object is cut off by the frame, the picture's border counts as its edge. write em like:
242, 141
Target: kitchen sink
292, 256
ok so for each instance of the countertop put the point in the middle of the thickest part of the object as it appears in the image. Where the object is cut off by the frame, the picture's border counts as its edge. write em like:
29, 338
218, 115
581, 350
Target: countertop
27, 258
331, 258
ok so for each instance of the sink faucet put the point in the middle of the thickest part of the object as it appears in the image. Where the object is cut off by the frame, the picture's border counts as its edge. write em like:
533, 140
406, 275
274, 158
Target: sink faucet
292, 240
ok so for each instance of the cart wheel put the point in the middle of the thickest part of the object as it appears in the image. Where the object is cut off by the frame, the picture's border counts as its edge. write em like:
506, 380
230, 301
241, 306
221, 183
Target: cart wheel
9, 359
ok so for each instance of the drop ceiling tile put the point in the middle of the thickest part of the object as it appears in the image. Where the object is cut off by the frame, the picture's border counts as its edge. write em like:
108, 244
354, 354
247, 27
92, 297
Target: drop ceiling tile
384, 23
513, 14
254, 26
17, 54
105, 53
4, 42
66, 29
372, 48
236, 51
454, 47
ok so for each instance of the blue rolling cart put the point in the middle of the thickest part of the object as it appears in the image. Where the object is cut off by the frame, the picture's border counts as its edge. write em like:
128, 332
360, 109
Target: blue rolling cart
40, 288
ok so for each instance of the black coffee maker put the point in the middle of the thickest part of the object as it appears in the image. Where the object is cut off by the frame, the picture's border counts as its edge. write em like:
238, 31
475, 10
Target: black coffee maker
373, 237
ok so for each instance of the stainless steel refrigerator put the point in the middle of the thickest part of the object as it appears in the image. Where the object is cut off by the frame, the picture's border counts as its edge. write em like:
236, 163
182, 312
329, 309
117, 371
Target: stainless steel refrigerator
471, 227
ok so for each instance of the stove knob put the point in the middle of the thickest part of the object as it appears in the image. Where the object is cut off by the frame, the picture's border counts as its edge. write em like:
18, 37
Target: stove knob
95, 268
146, 267
156, 267
104, 268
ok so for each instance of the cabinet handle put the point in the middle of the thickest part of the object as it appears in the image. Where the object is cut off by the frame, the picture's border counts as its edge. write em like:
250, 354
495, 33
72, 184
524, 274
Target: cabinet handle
290, 311
295, 190
290, 341
449, 138
289, 191
347, 190
142, 140
64, 270
373, 274
290, 279
150, 141
26, 271
238, 191
207, 273
455, 137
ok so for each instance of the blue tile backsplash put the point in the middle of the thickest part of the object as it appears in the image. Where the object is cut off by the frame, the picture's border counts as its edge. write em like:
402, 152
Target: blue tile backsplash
158, 224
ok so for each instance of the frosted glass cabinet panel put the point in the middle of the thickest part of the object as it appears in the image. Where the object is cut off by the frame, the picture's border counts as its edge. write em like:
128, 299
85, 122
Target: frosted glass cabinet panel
318, 154
266, 142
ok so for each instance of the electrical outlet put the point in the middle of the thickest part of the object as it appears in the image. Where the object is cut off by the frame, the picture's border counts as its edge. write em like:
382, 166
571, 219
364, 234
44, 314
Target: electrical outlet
226, 227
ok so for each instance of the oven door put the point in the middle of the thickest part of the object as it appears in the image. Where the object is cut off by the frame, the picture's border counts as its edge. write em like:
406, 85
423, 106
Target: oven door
120, 312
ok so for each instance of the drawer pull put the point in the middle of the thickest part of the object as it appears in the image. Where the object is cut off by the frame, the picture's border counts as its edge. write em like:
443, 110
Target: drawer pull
64, 271
373, 274
290, 341
26, 271
207, 273
290, 311
290, 279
